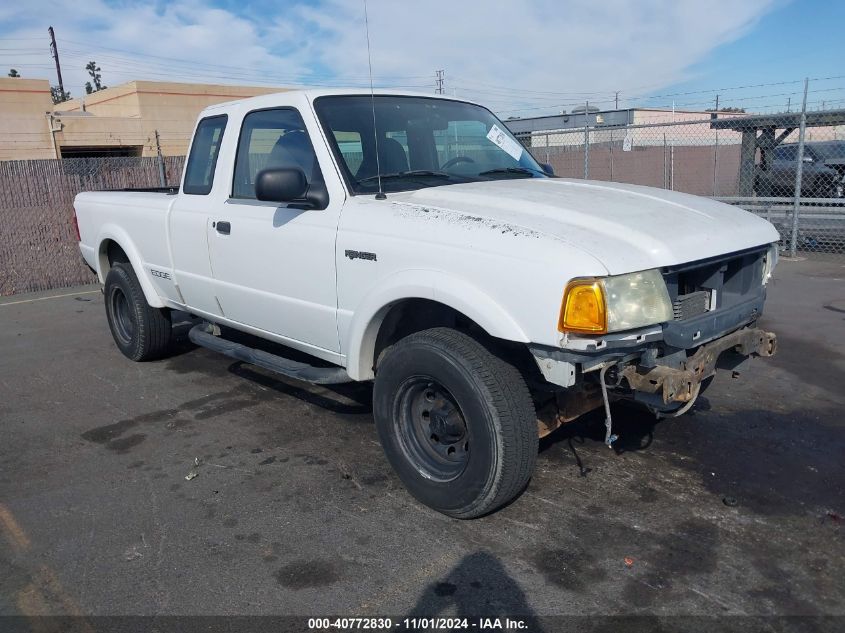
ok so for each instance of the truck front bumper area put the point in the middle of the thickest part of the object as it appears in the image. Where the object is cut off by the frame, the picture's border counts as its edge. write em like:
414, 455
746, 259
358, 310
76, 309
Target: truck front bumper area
680, 384
666, 385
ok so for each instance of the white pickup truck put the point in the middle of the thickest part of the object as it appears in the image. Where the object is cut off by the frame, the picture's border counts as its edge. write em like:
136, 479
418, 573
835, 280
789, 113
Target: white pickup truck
413, 241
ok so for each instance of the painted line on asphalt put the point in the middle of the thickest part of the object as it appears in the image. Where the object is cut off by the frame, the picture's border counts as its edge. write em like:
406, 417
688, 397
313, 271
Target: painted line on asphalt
69, 294
13, 530
45, 589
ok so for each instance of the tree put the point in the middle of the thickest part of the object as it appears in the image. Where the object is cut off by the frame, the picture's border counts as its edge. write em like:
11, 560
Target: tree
14, 73
726, 110
94, 71
58, 94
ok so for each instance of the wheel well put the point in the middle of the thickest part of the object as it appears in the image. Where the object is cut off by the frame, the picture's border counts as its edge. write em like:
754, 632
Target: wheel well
110, 254
414, 315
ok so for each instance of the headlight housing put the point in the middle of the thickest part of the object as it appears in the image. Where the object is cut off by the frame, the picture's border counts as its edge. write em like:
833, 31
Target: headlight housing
770, 260
614, 304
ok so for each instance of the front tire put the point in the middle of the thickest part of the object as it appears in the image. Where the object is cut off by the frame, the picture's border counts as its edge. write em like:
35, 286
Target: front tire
456, 422
140, 331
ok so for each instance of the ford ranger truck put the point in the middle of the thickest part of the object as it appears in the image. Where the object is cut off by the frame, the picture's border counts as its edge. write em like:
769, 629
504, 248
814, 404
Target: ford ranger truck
412, 241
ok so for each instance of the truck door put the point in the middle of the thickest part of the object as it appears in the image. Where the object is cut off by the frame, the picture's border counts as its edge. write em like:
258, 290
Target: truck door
189, 218
274, 265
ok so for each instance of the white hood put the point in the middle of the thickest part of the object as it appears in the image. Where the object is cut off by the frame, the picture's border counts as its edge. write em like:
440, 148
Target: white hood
626, 227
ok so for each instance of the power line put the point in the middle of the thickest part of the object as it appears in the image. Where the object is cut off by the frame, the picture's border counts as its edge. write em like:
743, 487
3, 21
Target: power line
92, 51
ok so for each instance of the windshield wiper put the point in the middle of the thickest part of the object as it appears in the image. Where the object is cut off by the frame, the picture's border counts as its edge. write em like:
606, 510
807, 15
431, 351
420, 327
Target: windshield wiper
512, 170
414, 173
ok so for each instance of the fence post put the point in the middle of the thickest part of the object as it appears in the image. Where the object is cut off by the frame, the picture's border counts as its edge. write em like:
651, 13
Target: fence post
715, 146
587, 140
799, 173
162, 177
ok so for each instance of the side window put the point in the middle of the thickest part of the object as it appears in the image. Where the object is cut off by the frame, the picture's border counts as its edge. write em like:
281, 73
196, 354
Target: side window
199, 176
786, 152
272, 139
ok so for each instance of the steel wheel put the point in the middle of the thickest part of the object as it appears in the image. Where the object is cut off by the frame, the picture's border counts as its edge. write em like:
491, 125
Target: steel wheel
140, 331
431, 429
124, 317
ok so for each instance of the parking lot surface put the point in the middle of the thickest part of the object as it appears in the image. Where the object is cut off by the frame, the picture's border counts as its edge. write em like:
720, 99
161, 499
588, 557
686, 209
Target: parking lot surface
735, 508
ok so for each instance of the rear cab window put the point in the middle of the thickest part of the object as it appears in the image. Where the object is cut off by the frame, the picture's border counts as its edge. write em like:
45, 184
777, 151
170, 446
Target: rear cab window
199, 175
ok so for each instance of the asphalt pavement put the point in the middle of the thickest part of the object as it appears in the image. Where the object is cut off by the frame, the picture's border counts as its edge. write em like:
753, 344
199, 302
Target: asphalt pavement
736, 508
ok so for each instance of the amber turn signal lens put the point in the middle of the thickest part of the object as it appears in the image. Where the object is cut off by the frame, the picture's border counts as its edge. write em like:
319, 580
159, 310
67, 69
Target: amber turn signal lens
583, 308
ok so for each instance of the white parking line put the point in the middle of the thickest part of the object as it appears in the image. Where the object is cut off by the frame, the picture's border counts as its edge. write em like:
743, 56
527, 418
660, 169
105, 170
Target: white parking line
69, 294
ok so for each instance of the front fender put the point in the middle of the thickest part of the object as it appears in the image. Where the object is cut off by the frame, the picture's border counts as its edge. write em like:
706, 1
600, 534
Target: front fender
450, 290
118, 235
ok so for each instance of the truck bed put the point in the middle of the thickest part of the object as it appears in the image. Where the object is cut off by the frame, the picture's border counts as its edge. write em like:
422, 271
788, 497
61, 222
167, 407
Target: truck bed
117, 214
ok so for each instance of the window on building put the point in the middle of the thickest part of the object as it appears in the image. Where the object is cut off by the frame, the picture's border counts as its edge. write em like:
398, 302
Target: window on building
199, 175
103, 151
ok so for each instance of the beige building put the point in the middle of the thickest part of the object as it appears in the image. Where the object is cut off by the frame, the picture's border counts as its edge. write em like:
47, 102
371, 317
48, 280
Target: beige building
118, 121
24, 123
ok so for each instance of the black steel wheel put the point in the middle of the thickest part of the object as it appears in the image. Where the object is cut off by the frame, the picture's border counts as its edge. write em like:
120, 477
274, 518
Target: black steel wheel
431, 429
124, 317
456, 421
140, 331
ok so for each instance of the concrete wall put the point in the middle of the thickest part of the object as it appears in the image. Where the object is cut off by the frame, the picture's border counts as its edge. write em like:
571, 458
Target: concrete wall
129, 114
123, 116
24, 126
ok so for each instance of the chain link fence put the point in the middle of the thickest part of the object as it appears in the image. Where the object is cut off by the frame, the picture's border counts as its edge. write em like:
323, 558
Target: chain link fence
38, 246
787, 167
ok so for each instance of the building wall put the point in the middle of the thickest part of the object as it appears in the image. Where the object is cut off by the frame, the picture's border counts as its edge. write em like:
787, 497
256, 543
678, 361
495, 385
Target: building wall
24, 126
127, 115
696, 132
132, 112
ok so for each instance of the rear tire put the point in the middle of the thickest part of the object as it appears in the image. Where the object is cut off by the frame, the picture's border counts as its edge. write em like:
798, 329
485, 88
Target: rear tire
456, 422
140, 331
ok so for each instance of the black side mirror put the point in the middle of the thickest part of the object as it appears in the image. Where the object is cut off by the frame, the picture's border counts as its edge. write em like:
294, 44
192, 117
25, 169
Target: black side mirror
284, 184
548, 169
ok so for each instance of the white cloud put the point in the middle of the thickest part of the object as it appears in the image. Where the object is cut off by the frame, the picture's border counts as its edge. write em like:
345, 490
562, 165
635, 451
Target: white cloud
507, 54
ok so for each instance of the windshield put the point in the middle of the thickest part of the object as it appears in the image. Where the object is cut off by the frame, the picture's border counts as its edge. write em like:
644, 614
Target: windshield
829, 151
422, 142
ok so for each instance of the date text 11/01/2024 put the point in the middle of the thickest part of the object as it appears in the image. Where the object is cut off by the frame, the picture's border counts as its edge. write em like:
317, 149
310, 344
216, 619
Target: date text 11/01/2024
415, 624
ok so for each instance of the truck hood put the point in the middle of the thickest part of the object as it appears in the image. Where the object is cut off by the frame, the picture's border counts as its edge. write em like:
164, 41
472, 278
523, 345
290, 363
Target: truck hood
625, 227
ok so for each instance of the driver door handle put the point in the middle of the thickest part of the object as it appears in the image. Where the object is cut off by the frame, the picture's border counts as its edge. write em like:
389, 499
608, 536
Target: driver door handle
223, 228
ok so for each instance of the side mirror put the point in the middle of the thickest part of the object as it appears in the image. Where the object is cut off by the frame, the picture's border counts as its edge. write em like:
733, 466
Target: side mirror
284, 184
547, 167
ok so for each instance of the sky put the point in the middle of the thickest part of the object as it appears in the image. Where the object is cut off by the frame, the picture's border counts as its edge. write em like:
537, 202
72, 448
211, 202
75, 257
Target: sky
524, 58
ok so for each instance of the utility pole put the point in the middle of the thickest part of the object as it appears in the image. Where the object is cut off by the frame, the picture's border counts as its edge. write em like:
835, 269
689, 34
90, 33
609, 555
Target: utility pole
440, 81
616, 101
54, 51
162, 177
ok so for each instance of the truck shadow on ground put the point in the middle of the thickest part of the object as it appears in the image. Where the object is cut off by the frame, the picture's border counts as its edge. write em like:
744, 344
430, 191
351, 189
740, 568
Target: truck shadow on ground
766, 461
352, 398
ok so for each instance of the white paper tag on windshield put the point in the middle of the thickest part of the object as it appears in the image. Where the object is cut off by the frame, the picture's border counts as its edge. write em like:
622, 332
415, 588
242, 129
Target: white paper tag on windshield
496, 136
